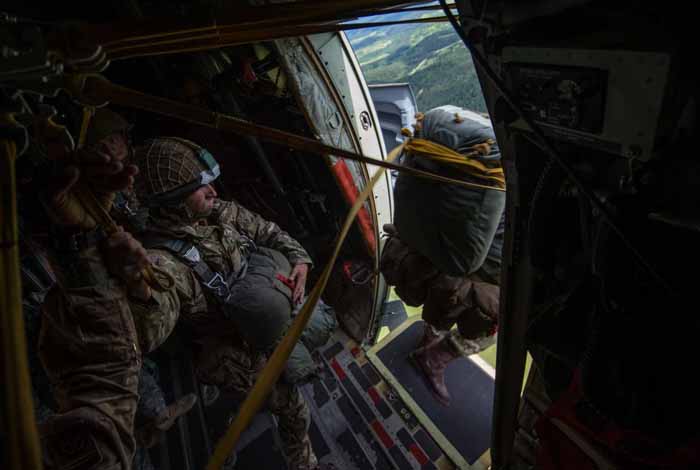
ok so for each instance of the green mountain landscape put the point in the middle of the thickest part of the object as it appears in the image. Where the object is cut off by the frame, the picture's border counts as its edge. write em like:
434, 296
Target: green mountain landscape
429, 56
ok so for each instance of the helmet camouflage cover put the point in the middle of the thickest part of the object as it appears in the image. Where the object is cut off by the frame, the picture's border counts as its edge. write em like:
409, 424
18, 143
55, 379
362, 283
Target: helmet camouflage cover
103, 124
171, 169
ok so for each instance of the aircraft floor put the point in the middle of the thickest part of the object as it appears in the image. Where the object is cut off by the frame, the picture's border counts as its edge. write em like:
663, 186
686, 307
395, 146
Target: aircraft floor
463, 429
359, 422
361, 418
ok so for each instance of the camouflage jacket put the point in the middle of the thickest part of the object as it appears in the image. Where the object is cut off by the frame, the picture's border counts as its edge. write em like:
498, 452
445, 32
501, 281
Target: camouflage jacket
224, 243
88, 346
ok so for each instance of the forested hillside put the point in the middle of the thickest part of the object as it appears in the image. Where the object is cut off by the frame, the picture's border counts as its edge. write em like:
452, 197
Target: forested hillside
429, 56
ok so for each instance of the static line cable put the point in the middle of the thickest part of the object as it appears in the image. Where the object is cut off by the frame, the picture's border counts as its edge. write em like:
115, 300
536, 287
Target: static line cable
551, 151
350, 26
417, 8
98, 89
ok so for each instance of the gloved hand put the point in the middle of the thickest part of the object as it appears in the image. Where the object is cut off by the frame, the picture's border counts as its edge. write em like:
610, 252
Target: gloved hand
125, 259
101, 171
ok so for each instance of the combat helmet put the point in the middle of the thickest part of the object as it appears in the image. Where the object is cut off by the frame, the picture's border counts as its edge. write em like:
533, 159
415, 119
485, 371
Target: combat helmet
103, 124
171, 169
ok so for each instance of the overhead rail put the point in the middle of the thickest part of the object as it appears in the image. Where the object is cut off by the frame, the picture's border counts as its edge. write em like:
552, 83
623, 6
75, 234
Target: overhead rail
96, 90
227, 37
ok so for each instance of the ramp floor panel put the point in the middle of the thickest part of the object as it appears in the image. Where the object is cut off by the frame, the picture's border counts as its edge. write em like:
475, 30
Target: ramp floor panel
370, 410
465, 425
359, 422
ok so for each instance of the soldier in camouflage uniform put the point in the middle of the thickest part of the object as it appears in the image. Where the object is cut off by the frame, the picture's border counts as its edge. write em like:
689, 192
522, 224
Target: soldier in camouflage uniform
237, 277
89, 345
470, 303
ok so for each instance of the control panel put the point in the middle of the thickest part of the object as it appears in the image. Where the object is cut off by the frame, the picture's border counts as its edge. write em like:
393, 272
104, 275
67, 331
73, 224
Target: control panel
607, 100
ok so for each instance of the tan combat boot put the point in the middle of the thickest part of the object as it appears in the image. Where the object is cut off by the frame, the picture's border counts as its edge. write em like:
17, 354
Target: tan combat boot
431, 361
431, 336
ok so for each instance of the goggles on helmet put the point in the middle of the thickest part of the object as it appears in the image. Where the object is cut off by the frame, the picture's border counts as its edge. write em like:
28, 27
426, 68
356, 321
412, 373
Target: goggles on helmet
206, 176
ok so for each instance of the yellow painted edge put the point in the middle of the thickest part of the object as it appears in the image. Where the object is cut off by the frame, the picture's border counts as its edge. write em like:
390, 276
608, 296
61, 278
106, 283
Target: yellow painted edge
443, 463
423, 419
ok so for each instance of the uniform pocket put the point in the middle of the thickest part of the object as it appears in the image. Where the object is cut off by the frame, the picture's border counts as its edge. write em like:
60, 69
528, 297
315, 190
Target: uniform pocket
86, 327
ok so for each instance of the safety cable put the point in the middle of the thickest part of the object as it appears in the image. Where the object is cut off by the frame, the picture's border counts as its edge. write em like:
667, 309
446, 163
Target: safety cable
98, 89
351, 26
418, 8
547, 147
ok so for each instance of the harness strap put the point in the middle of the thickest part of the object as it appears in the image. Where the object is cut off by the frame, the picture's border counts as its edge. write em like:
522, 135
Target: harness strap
212, 281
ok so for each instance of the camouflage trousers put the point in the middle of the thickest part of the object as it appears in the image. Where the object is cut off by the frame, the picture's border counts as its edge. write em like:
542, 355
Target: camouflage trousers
470, 302
89, 349
465, 309
235, 369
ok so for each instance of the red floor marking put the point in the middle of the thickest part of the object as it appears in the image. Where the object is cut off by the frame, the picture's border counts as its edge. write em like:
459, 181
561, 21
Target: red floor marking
418, 454
382, 434
374, 394
338, 370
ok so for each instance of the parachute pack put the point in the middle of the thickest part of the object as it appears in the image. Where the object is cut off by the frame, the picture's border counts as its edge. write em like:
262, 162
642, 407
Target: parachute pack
460, 229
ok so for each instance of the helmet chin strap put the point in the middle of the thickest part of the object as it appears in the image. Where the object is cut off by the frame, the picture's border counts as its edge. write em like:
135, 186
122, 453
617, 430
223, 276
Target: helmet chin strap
182, 213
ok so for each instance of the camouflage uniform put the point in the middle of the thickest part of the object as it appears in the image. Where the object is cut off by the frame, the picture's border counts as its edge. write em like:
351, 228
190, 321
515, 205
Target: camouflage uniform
471, 304
232, 351
234, 368
224, 247
91, 344
37, 279
468, 302
89, 348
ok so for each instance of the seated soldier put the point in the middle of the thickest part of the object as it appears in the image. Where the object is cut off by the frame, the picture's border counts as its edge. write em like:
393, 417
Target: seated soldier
237, 275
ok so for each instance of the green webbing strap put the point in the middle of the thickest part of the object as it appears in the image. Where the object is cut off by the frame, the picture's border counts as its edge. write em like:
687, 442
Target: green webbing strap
21, 444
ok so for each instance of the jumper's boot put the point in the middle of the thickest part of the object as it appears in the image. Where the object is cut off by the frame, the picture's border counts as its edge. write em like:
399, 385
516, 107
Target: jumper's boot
432, 361
149, 434
431, 336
